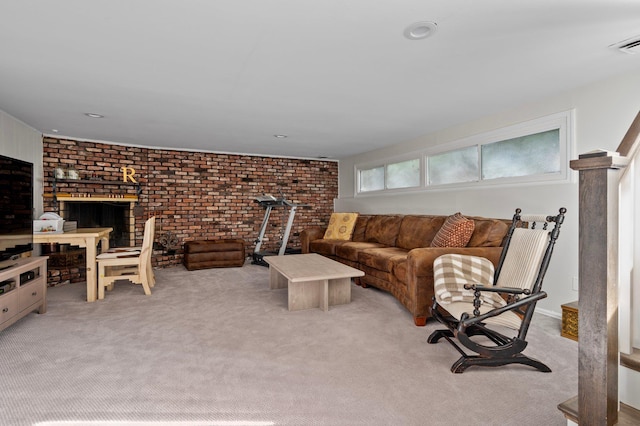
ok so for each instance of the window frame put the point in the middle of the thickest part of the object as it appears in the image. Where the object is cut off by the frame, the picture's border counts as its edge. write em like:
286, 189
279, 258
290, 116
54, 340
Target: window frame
563, 121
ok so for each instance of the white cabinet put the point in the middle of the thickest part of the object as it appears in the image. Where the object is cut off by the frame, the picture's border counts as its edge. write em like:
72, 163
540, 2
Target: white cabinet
28, 277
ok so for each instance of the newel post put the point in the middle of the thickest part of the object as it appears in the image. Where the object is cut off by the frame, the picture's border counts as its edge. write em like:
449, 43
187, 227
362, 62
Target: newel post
598, 292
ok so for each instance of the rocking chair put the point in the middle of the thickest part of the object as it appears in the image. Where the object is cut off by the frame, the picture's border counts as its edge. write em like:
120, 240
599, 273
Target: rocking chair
476, 304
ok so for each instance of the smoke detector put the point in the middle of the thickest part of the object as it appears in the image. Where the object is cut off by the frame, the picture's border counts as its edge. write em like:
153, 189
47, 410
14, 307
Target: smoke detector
630, 45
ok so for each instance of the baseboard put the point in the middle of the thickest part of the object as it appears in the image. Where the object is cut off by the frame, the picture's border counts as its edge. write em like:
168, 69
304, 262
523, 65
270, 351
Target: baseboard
552, 314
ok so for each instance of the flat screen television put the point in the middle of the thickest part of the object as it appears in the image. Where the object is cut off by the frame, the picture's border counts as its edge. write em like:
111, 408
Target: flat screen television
16, 209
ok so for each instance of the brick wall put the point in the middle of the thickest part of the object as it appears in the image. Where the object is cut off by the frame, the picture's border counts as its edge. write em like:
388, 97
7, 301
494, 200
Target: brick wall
199, 195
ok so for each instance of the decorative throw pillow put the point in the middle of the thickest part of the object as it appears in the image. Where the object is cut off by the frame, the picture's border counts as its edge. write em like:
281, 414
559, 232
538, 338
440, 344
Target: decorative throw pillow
456, 231
341, 226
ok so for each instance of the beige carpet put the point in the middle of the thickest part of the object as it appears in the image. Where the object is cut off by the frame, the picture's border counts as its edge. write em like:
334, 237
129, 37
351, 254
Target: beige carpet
217, 347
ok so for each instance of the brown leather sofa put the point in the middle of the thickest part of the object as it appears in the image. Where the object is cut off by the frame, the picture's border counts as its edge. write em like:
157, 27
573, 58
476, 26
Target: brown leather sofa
394, 253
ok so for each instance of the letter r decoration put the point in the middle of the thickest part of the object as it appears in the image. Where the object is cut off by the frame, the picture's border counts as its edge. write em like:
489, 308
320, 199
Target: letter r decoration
127, 174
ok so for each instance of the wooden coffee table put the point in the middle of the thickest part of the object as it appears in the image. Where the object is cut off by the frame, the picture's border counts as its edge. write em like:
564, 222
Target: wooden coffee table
312, 280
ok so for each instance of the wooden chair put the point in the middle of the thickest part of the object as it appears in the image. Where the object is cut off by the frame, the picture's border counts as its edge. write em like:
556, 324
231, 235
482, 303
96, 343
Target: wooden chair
133, 264
476, 304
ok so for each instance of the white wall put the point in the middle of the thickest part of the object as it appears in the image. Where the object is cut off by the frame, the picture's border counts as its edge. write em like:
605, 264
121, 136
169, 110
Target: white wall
603, 113
20, 141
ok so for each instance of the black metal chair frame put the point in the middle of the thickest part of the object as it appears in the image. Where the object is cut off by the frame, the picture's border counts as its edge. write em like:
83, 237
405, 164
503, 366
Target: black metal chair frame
505, 350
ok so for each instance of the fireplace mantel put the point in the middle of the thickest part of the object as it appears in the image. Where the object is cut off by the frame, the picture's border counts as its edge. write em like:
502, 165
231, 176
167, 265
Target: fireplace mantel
81, 186
61, 196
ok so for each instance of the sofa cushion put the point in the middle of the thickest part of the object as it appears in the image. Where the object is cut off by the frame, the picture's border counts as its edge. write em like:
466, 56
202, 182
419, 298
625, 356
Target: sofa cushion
340, 226
400, 269
488, 232
418, 231
383, 229
382, 258
455, 232
360, 228
350, 249
325, 247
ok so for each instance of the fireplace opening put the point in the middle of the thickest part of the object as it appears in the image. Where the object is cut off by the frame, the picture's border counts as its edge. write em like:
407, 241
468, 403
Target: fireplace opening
102, 215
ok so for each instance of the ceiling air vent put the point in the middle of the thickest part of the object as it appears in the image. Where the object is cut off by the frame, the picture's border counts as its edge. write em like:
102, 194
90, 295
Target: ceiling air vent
630, 45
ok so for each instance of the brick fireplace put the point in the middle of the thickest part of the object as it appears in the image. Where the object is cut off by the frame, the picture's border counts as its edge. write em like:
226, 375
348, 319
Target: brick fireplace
67, 263
117, 214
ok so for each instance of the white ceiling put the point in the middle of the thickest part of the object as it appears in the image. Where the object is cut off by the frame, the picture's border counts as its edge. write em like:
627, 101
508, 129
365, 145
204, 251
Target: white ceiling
336, 76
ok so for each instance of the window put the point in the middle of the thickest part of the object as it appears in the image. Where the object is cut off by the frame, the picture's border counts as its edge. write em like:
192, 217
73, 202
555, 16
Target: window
403, 174
456, 166
534, 151
371, 179
527, 155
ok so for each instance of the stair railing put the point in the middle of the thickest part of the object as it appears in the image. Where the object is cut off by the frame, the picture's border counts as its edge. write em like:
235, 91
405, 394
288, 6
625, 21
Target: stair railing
606, 190
629, 245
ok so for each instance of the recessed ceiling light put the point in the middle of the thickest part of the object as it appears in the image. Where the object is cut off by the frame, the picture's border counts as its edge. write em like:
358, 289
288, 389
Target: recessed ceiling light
420, 30
93, 115
280, 136
55, 130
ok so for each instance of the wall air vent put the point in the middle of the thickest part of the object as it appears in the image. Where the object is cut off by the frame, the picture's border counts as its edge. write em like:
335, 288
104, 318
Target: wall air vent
630, 45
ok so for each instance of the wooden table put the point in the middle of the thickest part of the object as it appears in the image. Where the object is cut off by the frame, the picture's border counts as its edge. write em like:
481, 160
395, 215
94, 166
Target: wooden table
82, 237
312, 280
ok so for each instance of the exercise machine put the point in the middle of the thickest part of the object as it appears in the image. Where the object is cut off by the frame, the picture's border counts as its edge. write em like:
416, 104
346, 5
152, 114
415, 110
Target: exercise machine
269, 202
